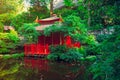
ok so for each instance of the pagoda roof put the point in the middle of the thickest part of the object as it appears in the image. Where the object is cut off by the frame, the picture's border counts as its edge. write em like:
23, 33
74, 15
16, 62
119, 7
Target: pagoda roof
44, 23
47, 21
42, 27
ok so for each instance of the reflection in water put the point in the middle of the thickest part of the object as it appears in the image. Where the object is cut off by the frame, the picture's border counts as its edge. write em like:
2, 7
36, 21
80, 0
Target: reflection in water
39, 64
39, 69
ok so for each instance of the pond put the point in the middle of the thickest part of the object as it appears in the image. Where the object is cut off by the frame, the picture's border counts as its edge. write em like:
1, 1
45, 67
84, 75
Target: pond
40, 69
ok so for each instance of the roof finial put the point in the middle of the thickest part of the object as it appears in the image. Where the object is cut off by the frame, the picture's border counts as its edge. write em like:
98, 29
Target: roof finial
36, 20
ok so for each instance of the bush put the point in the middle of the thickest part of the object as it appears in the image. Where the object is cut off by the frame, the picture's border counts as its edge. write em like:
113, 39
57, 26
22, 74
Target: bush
53, 57
1, 27
62, 53
58, 49
8, 41
71, 56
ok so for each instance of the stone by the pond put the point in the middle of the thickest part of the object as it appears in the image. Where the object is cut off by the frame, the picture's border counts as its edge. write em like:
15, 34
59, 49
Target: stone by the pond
1, 56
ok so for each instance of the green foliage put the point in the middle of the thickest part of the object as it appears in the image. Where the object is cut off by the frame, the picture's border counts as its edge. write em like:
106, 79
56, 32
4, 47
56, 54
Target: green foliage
8, 41
1, 27
62, 53
106, 66
90, 39
103, 13
58, 49
91, 58
102, 37
20, 19
18, 55
29, 32
11, 6
72, 26
6, 18
81, 50
66, 11
54, 28
92, 45
53, 57
71, 56
29, 17
14, 56
13, 36
9, 9
68, 3
76, 28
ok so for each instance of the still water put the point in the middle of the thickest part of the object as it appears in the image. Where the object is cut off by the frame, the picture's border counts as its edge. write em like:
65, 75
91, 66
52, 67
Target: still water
40, 69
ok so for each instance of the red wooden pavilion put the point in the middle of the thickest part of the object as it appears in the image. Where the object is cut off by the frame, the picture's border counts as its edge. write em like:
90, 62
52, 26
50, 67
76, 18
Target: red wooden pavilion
57, 38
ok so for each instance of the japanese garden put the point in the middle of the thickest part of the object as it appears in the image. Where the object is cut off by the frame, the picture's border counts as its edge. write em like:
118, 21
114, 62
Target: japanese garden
59, 40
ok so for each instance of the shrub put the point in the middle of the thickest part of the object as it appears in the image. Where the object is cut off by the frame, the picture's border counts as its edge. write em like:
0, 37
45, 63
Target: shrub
1, 27
62, 53
8, 41
58, 49
53, 57
71, 56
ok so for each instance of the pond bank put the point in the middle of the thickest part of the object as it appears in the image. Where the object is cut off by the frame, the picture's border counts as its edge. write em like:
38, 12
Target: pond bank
21, 55
15, 56
1, 56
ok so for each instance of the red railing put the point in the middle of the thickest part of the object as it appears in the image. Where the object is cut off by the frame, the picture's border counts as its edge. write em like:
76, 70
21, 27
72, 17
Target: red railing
36, 49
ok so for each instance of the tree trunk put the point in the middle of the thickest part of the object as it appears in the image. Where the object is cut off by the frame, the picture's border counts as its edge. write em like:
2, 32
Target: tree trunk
89, 16
51, 7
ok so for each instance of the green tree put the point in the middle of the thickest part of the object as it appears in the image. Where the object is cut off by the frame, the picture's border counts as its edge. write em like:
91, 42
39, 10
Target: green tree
39, 4
11, 6
9, 9
29, 32
106, 67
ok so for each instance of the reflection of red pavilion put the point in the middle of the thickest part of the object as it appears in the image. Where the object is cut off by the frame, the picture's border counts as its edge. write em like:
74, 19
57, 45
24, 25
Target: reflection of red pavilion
36, 64
57, 38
